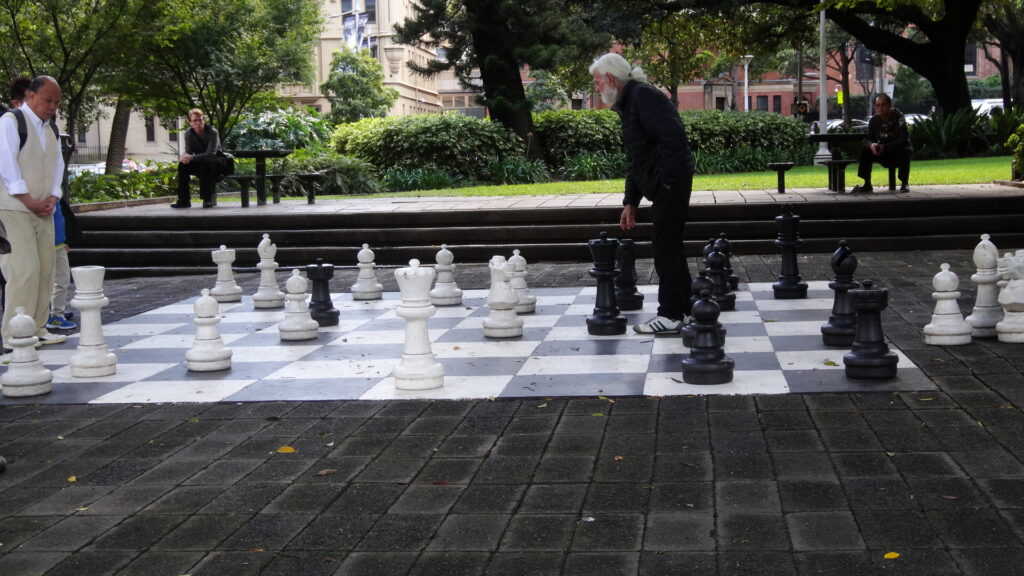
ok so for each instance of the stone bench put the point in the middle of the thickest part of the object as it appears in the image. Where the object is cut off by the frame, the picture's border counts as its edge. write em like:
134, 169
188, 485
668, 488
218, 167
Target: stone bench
837, 174
275, 186
310, 181
244, 181
781, 168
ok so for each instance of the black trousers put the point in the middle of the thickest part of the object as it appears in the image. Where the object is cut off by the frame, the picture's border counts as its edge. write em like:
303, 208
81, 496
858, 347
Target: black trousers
898, 157
207, 170
669, 212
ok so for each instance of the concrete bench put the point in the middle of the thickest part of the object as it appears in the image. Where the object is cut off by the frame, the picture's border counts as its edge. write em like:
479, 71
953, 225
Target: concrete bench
837, 174
781, 168
310, 181
275, 186
244, 180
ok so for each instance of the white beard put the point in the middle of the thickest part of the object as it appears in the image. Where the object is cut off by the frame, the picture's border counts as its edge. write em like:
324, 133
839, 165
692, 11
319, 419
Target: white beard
609, 95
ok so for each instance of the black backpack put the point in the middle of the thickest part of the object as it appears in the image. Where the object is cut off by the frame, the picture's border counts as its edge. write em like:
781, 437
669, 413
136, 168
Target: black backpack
23, 127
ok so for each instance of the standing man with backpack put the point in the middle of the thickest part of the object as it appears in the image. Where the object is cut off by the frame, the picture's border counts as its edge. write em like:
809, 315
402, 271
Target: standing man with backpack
30, 179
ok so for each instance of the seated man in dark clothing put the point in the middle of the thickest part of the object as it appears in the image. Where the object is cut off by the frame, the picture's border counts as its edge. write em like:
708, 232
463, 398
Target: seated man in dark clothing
888, 143
203, 158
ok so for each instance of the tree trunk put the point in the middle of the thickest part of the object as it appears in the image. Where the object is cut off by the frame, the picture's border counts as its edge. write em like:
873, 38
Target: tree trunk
118, 136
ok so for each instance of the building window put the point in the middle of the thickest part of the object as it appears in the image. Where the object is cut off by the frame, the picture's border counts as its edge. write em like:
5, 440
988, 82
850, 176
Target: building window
777, 104
971, 59
150, 129
762, 103
346, 6
371, 10
82, 134
719, 102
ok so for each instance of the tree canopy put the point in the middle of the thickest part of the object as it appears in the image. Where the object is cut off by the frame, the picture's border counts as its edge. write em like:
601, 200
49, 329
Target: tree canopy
355, 87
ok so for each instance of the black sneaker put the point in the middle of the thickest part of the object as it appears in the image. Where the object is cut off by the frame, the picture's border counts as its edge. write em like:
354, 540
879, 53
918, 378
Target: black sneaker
180, 205
866, 189
904, 188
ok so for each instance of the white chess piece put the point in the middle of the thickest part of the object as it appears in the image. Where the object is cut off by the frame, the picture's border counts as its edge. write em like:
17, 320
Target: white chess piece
297, 324
208, 352
25, 375
366, 286
92, 358
268, 295
226, 290
1011, 328
987, 311
446, 292
948, 327
527, 302
418, 369
502, 322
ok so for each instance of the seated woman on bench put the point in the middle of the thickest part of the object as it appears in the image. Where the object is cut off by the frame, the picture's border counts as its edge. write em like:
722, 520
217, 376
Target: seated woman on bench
888, 143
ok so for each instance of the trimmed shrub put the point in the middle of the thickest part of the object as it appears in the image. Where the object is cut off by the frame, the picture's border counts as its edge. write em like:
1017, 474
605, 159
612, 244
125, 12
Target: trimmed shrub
455, 143
157, 180
747, 159
428, 178
595, 166
567, 133
339, 174
712, 132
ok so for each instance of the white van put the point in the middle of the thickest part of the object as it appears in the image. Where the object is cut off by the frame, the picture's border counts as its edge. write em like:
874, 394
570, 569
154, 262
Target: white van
985, 105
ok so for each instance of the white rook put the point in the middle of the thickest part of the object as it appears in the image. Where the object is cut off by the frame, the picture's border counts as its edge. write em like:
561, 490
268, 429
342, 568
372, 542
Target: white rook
226, 290
418, 369
25, 375
92, 358
948, 327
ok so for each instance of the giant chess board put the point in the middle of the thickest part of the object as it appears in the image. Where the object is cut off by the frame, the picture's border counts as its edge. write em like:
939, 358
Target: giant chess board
776, 345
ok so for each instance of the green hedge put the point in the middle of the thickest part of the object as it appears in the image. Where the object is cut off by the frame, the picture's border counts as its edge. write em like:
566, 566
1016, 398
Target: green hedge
455, 143
716, 131
571, 133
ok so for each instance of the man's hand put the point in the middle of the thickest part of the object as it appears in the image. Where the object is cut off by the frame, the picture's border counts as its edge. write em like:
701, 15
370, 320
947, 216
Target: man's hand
40, 208
876, 148
628, 219
186, 158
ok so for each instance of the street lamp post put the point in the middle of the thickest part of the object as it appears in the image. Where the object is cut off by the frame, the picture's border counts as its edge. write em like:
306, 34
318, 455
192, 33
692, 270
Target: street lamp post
822, 155
746, 84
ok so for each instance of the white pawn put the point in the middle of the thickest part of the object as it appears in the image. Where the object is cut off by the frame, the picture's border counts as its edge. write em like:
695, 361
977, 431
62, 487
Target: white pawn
26, 375
1011, 328
948, 327
268, 295
445, 292
92, 358
987, 311
208, 352
527, 302
297, 324
418, 369
502, 322
226, 290
366, 286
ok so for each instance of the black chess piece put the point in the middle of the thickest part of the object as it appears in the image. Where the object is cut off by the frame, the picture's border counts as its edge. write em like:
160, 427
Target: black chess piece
725, 299
626, 295
606, 319
321, 308
842, 324
790, 286
725, 246
697, 287
707, 362
870, 357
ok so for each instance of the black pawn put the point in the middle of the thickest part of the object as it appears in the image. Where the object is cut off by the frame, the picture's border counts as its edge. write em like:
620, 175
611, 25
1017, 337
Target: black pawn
870, 358
789, 286
842, 324
707, 362
708, 249
606, 320
321, 308
725, 299
725, 246
698, 287
626, 294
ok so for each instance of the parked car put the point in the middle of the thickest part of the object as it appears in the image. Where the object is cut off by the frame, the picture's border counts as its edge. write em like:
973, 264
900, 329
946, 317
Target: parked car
985, 105
127, 165
914, 118
836, 125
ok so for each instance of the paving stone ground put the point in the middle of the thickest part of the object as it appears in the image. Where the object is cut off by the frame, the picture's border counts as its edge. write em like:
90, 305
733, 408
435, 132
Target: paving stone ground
870, 483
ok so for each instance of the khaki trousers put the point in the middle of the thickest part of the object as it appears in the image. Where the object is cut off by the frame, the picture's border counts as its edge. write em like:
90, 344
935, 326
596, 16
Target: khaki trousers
61, 281
28, 268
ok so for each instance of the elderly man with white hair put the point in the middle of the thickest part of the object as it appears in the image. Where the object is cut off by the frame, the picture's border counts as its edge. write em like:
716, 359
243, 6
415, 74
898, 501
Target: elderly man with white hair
659, 167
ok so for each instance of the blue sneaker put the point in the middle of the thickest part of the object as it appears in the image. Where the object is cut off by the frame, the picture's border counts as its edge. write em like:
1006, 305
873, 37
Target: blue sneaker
60, 323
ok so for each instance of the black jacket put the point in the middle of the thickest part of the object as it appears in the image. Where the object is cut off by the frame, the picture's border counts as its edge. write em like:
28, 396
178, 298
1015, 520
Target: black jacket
205, 147
657, 152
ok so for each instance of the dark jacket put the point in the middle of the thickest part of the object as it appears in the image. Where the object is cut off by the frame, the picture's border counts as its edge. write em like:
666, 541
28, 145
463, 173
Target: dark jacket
657, 152
203, 147
892, 134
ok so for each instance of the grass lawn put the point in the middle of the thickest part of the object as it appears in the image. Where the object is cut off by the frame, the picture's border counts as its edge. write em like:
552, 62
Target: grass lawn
957, 171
